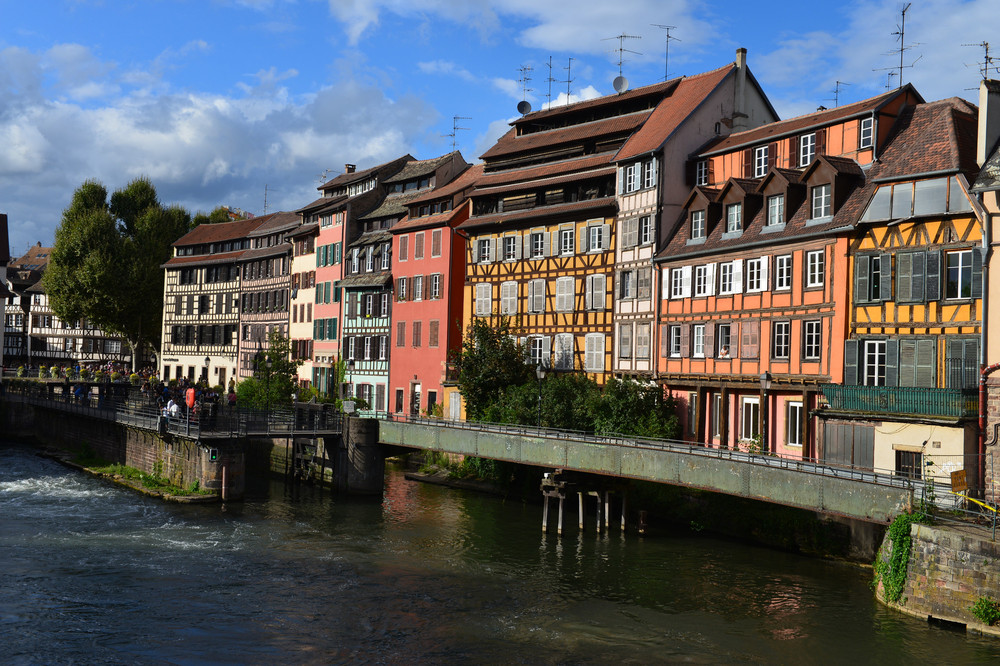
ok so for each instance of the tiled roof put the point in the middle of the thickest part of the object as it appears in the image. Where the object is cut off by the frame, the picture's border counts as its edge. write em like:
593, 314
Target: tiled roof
204, 259
379, 279
305, 230
931, 137
265, 252
655, 89
275, 222
363, 174
512, 144
672, 112
525, 174
321, 204
393, 205
546, 182
213, 233
418, 168
782, 128
37, 257
369, 237
541, 212
463, 181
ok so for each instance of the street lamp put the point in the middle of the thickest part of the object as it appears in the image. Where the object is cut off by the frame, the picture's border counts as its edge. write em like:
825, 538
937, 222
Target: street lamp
208, 360
540, 373
267, 388
765, 385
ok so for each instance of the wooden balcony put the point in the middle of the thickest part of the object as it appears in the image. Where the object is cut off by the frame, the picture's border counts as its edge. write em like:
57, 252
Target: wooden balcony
903, 400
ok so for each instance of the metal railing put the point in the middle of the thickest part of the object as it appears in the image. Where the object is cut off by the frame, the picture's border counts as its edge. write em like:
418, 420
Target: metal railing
902, 400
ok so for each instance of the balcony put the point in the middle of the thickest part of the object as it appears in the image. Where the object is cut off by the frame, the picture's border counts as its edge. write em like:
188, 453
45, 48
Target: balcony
903, 400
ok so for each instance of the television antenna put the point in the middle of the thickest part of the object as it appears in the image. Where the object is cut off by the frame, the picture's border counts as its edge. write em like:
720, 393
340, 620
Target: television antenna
901, 34
988, 61
666, 47
836, 93
549, 80
524, 106
569, 78
621, 48
454, 130
888, 80
322, 177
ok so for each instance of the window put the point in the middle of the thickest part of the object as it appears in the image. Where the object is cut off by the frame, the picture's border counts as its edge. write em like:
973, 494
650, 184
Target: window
793, 423
418, 288
873, 363
812, 339
704, 280
698, 341
536, 350
594, 353
564, 351
648, 174
436, 286
595, 238
783, 272
484, 299
596, 292
807, 149
416, 333
775, 210
436, 243
962, 362
866, 133
723, 340
433, 332
386, 256
370, 259
780, 339
697, 224
350, 347
630, 233
872, 277
626, 284
536, 296
645, 280
510, 245
910, 464
418, 245
404, 248
701, 172
674, 348
642, 341
815, 268
508, 298
645, 230
401, 289
355, 260
484, 254
680, 282
625, 341
821, 205
734, 218
632, 178
750, 423
537, 240
731, 277
400, 333
717, 415
958, 281
757, 274
565, 288
567, 241
368, 348
760, 162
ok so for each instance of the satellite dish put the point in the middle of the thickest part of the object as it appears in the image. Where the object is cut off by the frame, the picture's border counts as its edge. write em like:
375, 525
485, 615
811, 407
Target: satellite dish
524, 107
620, 84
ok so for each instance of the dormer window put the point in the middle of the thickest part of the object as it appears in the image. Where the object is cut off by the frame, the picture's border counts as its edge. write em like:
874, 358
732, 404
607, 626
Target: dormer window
822, 205
807, 149
697, 224
775, 210
734, 218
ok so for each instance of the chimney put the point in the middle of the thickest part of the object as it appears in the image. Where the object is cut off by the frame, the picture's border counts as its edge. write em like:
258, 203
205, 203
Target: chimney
349, 168
740, 92
989, 119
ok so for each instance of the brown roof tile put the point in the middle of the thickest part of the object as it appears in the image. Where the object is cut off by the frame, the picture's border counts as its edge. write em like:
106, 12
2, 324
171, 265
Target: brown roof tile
275, 222
465, 180
512, 144
545, 182
418, 168
204, 259
531, 173
213, 233
541, 212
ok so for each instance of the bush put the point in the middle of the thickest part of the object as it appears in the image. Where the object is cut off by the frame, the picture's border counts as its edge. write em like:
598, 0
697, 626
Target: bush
43, 372
986, 610
135, 379
20, 371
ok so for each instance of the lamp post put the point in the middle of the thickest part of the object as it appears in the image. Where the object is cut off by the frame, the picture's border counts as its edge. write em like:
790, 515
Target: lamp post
765, 385
267, 387
208, 360
540, 373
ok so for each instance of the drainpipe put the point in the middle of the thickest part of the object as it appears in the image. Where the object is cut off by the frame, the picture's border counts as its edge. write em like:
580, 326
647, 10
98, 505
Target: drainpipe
981, 475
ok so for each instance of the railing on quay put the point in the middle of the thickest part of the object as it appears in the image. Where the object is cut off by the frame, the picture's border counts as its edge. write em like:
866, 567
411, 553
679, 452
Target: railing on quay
126, 404
907, 400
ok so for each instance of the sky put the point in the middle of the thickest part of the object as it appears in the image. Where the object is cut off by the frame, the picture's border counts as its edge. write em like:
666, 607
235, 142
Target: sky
253, 103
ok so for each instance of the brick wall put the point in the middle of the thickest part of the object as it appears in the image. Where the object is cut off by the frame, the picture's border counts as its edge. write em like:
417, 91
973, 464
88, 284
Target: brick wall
992, 462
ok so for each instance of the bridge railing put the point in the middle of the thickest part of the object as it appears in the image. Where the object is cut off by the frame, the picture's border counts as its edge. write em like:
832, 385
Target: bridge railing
875, 476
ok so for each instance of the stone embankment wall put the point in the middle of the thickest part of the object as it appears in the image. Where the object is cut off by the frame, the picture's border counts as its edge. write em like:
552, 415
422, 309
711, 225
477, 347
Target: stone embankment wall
949, 570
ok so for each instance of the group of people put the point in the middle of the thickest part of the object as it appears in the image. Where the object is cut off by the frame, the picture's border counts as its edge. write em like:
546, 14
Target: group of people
205, 401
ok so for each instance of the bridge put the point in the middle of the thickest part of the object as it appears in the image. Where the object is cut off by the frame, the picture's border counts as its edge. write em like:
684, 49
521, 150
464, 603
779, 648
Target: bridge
853, 493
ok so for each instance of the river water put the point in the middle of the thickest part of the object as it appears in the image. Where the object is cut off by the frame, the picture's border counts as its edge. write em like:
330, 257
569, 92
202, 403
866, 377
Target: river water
94, 574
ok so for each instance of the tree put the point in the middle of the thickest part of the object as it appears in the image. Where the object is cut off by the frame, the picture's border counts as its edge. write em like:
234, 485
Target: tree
218, 214
271, 386
489, 361
106, 263
628, 407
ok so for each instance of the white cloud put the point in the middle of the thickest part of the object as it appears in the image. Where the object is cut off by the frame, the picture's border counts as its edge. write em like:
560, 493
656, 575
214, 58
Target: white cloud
447, 68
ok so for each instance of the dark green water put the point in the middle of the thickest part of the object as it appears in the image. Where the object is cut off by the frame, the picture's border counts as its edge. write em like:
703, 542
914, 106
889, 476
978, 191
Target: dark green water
90, 573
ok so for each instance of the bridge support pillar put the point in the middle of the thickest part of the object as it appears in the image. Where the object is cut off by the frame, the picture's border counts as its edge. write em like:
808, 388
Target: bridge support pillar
545, 514
360, 464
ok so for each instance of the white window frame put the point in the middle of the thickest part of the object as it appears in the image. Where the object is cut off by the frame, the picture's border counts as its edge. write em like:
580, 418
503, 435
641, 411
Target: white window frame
962, 270
756, 275
649, 174
781, 339
697, 224
775, 210
760, 161
537, 241
484, 248
749, 417
680, 282
704, 280
386, 256
815, 268
698, 341
632, 177
701, 172
807, 149
866, 132
734, 218
783, 272
567, 242
873, 363
812, 339
793, 422
595, 238
645, 230
820, 201
674, 346
510, 244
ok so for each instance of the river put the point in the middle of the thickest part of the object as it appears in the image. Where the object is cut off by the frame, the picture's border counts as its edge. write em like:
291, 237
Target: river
94, 574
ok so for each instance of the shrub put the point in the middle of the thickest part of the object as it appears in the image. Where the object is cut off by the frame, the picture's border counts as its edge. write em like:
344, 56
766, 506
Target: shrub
20, 371
986, 610
135, 379
43, 372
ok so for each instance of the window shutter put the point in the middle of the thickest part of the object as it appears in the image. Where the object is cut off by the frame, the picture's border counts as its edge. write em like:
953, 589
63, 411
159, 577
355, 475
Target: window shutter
664, 340
851, 362
685, 340
772, 154
793, 152
588, 299
547, 244
925, 363
738, 276
547, 350
861, 268
764, 261
685, 282
711, 172
904, 277
885, 268
932, 288
690, 171
892, 362
621, 180
918, 276
748, 163
606, 236
977, 272
710, 339
710, 279
517, 248
493, 250
584, 239
750, 341
600, 291
820, 142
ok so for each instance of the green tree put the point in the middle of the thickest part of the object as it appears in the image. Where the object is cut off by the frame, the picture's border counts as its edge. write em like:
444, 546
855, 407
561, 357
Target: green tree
218, 214
628, 407
105, 265
489, 361
271, 386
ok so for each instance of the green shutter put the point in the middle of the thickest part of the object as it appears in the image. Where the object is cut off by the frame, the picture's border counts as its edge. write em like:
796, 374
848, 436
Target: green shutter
861, 275
977, 272
892, 362
885, 270
851, 362
932, 289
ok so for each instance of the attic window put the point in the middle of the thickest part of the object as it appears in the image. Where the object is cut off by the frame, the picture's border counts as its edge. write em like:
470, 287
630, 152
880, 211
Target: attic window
933, 196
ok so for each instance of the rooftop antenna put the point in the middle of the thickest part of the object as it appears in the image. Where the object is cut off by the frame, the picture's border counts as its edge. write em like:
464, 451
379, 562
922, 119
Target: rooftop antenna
454, 130
322, 177
622, 50
549, 80
888, 80
265, 198
666, 48
901, 34
524, 106
836, 92
569, 79
988, 61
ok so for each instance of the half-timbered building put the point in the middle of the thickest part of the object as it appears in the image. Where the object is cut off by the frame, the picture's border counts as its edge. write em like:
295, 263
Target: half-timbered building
301, 327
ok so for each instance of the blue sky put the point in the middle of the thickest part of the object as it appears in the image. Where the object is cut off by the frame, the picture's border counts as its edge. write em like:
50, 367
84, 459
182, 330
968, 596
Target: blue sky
215, 100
